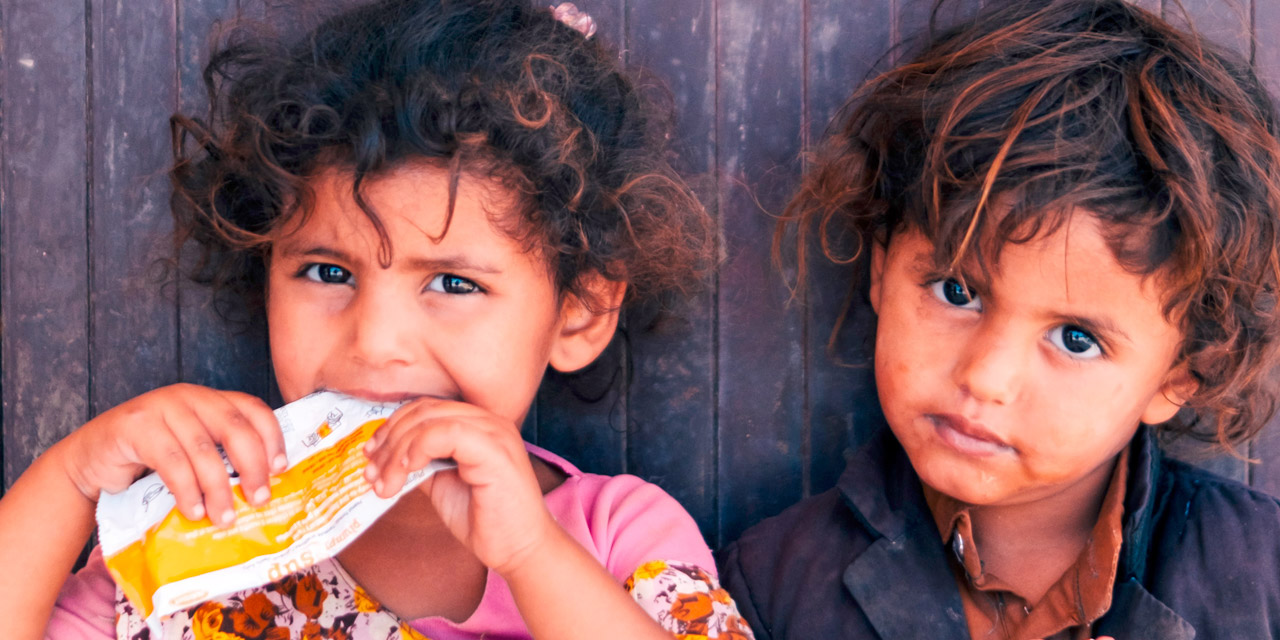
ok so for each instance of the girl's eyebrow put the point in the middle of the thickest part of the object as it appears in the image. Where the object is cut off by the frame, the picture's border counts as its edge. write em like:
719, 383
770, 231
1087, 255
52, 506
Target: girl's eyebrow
451, 263
444, 263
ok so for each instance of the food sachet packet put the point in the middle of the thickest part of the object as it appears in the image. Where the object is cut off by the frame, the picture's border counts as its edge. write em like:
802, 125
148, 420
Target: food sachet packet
165, 563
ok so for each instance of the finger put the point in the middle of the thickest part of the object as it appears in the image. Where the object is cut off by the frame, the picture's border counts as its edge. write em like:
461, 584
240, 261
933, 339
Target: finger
404, 449
479, 448
263, 421
392, 471
243, 445
407, 415
196, 438
405, 419
163, 453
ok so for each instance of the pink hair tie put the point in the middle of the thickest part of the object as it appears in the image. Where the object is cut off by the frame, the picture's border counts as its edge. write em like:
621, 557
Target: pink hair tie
579, 20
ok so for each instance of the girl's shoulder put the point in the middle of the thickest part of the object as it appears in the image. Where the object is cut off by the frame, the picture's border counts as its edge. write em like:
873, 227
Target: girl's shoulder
624, 520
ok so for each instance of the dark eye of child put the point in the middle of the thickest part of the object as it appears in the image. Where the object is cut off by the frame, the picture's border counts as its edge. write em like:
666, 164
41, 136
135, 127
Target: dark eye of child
457, 284
332, 273
1077, 340
956, 293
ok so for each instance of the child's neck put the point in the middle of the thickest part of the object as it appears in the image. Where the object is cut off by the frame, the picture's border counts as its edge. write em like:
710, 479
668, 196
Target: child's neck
1030, 545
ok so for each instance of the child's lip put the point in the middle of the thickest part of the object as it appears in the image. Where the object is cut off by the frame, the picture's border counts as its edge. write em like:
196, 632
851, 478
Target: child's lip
386, 397
973, 437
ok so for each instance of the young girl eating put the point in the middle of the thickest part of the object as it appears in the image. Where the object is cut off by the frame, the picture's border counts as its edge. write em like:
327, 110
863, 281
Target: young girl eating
434, 201
1072, 216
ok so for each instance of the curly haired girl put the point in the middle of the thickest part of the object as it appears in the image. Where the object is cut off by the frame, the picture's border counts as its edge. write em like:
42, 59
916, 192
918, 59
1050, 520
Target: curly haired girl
434, 201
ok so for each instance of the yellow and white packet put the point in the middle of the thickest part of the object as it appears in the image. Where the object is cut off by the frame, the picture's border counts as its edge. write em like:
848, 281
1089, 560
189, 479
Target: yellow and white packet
165, 563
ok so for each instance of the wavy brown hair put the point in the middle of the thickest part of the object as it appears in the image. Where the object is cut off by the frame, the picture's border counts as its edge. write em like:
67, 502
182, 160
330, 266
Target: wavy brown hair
1045, 107
497, 89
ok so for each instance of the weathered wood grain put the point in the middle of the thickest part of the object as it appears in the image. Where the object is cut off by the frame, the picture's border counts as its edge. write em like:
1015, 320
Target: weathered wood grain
760, 88
134, 332
1154, 6
671, 430
1266, 63
1265, 474
43, 229
1225, 22
848, 42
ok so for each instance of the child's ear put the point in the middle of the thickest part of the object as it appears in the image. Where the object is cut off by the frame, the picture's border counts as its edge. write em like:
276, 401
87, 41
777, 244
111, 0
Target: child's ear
585, 330
877, 273
1178, 387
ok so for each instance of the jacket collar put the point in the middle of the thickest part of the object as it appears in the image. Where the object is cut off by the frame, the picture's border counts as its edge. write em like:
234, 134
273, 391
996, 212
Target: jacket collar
902, 581
1139, 614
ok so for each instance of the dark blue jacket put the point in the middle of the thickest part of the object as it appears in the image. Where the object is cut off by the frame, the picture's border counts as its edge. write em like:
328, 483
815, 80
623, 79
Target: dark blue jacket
1200, 558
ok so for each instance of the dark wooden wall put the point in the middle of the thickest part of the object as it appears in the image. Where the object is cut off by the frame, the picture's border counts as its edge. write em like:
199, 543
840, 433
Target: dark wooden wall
736, 408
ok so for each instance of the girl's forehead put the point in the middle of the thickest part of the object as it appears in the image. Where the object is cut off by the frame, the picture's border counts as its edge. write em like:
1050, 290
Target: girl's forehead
423, 192
413, 212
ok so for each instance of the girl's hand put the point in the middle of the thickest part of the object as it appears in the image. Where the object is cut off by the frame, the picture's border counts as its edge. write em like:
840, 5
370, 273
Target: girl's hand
176, 431
491, 502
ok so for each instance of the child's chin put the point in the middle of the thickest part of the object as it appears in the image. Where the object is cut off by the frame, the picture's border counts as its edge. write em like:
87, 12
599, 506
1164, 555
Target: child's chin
962, 481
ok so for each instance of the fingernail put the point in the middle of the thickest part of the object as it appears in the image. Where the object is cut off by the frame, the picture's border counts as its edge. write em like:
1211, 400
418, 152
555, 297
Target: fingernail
197, 512
369, 447
279, 463
261, 496
228, 517
371, 472
377, 487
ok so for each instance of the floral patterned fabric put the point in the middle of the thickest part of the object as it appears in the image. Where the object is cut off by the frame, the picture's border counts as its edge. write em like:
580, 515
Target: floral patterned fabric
687, 601
324, 603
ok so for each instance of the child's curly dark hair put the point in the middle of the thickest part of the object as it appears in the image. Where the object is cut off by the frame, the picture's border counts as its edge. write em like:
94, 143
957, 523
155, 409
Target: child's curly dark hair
1046, 106
495, 89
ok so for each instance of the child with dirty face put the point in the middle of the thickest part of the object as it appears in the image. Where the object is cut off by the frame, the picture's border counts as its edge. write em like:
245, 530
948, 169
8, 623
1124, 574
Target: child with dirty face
434, 201
1070, 214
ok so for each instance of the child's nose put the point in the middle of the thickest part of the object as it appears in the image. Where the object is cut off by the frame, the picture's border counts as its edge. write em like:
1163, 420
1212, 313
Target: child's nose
381, 331
992, 366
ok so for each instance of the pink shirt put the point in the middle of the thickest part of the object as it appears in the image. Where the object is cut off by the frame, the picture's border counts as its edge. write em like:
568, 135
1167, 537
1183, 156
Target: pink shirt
623, 520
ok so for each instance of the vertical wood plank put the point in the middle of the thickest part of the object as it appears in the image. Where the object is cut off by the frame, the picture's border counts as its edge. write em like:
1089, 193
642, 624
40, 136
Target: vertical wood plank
214, 351
1225, 22
583, 416
43, 231
761, 391
1265, 475
846, 40
1154, 6
1266, 52
670, 411
913, 18
134, 324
